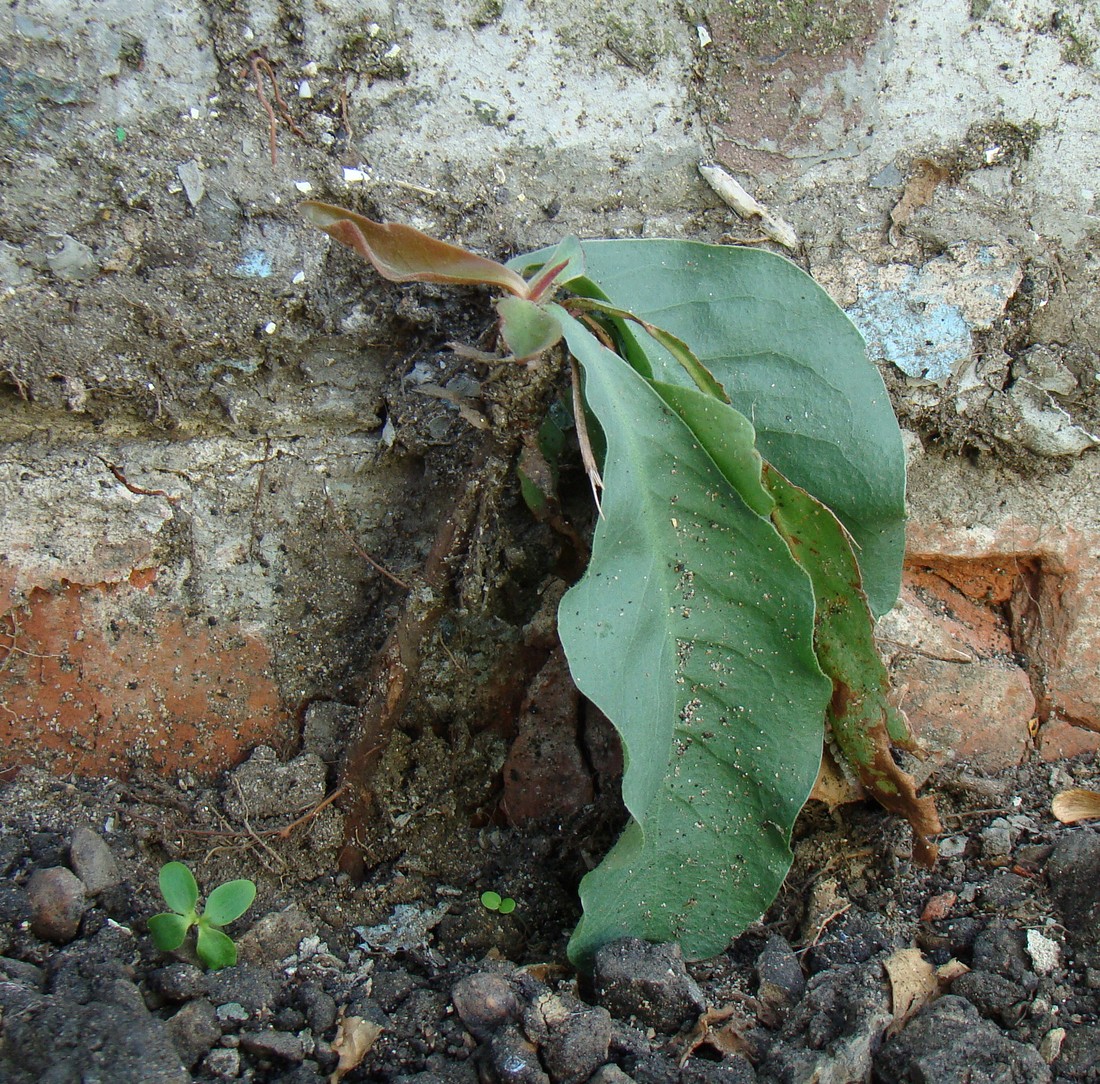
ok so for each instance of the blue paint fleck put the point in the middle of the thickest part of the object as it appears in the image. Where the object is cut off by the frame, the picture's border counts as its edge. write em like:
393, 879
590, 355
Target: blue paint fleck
923, 336
255, 264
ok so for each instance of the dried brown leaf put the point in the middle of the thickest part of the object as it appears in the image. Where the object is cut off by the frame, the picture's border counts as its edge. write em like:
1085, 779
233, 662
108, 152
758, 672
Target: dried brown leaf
403, 254
914, 982
1076, 804
748, 207
833, 787
721, 1029
919, 190
354, 1038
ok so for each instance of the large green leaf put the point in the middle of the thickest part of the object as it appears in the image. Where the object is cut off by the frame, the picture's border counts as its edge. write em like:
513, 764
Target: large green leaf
790, 360
863, 723
692, 630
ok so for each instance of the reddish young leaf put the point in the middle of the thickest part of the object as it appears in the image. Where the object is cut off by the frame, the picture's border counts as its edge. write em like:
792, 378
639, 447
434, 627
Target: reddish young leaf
403, 254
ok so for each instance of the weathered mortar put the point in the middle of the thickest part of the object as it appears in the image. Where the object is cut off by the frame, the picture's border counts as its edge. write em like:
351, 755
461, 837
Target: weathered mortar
184, 368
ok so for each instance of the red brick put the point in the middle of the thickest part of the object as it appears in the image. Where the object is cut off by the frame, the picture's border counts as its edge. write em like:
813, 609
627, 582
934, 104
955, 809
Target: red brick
97, 680
995, 627
545, 775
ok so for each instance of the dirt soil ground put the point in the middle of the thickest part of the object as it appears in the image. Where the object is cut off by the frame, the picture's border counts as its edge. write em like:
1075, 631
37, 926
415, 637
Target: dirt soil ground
434, 987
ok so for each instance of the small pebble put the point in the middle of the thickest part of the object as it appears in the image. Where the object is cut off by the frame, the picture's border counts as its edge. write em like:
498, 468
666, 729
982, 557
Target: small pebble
22, 973
223, 1064
232, 1012
57, 899
251, 987
1074, 875
998, 840
994, 996
93, 861
610, 1074
15, 907
288, 1019
953, 846
1001, 950
194, 1030
1045, 952
515, 1060
178, 982
320, 1007
277, 1044
578, 1046
780, 974
1050, 1046
275, 935
634, 978
484, 1003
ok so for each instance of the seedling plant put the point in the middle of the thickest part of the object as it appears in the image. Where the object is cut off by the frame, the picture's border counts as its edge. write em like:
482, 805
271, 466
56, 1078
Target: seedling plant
750, 480
493, 901
224, 905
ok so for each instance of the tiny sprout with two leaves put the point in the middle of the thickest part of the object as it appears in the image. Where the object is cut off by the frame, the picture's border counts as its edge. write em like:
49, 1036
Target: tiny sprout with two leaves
492, 901
224, 905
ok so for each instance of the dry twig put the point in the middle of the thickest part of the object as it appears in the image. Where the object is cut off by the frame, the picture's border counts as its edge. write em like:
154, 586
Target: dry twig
261, 66
359, 549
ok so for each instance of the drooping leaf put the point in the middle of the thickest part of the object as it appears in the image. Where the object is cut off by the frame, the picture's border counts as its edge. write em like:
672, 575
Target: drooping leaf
178, 887
215, 949
727, 436
169, 930
864, 724
790, 361
692, 631
862, 721
229, 901
403, 254
527, 329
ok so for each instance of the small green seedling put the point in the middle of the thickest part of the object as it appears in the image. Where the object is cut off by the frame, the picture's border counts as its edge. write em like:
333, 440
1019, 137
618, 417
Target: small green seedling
492, 901
224, 905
